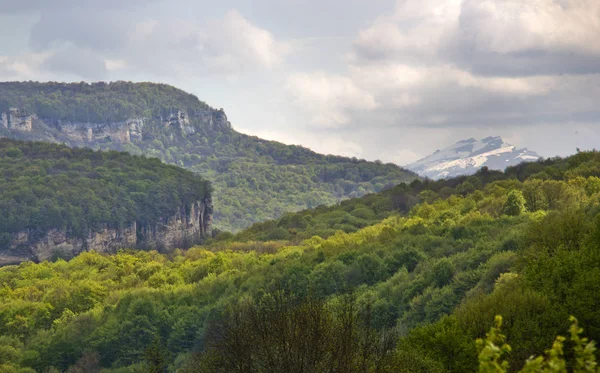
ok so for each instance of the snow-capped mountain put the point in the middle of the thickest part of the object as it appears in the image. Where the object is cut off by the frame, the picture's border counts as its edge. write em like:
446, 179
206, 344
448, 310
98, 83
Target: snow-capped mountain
467, 156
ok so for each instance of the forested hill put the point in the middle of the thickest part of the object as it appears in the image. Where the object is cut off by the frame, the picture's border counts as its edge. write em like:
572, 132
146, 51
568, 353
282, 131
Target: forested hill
253, 179
409, 293
59, 201
357, 213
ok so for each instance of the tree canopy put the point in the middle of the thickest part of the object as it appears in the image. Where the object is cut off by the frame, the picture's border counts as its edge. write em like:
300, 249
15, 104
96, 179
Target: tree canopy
408, 293
254, 180
46, 186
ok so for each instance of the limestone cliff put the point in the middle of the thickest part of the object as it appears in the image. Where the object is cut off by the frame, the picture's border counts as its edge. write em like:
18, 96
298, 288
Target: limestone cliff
31, 126
191, 224
17, 119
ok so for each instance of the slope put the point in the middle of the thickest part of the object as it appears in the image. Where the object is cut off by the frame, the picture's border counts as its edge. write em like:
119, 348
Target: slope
253, 179
354, 214
409, 293
57, 201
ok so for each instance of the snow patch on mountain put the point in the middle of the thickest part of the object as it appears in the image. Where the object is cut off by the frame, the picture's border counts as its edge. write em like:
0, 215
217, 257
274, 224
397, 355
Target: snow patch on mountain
467, 156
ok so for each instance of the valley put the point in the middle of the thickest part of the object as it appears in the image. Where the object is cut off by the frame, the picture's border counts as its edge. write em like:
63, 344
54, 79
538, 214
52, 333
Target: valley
144, 228
402, 280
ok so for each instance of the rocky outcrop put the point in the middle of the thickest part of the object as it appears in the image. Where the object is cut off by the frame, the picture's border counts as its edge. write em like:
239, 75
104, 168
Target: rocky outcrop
132, 130
191, 224
212, 120
17, 119
58, 243
122, 132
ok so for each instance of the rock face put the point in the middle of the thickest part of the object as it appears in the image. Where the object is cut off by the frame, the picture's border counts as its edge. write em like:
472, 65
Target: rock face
123, 132
17, 119
468, 156
189, 225
131, 130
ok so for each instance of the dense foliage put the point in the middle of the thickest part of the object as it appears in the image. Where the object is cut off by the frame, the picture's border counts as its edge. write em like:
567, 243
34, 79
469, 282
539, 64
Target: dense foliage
410, 293
46, 186
253, 179
96, 102
352, 215
493, 351
256, 180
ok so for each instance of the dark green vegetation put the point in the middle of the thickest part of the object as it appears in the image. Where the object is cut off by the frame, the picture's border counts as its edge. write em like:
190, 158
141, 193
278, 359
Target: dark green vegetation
352, 215
47, 186
409, 293
96, 103
253, 179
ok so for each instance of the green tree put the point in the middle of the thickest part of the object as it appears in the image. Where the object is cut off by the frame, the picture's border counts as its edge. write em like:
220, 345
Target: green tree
156, 357
515, 203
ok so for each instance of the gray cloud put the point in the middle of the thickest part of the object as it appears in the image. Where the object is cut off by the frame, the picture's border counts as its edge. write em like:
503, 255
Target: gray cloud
164, 47
461, 68
99, 29
74, 61
527, 38
28, 6
507, 37
229, 45
418, 76
474, 62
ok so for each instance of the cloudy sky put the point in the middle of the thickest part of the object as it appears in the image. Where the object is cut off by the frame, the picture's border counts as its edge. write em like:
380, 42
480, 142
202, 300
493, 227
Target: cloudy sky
375, 79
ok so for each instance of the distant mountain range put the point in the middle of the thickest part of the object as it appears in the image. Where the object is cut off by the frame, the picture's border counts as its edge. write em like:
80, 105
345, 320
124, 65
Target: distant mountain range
467, 156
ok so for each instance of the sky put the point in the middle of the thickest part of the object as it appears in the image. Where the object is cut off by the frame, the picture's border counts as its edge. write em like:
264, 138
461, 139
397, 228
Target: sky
374, 79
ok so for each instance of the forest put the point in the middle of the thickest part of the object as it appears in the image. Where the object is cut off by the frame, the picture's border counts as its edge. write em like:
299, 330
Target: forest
47, 186
96, 102
474, 274
253, 179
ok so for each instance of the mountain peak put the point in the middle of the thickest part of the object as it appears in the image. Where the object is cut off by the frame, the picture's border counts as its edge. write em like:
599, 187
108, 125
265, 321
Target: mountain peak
491, 138
465, 157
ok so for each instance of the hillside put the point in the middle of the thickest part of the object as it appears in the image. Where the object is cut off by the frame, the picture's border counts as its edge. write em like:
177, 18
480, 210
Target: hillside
409, 293
253, 179
352, 215
57, 202
468, 156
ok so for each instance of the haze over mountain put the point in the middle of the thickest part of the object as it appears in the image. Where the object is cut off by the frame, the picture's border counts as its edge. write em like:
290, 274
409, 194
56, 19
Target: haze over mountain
468, 156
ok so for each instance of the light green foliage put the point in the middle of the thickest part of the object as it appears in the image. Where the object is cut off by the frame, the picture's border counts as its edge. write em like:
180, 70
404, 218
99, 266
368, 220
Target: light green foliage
492, 351
434, 273
515, 203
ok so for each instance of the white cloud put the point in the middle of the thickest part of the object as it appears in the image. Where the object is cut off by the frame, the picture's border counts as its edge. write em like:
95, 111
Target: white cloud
329, 98
415, 29
76, 62
112, 65
230, 45
112, 40
237, 38
510, 26
23, 67
402, 66
420, 76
